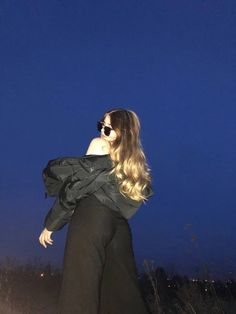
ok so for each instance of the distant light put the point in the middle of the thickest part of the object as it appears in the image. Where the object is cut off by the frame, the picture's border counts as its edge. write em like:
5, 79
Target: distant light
42, 275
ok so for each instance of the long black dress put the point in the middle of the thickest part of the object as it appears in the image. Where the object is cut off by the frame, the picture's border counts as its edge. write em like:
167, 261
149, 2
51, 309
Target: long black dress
99, 270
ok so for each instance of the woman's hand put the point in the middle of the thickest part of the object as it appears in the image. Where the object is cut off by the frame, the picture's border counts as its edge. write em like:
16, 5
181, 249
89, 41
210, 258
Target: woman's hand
45, 236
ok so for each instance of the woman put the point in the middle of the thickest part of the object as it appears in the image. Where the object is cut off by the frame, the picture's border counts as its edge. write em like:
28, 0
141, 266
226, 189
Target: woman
97, 194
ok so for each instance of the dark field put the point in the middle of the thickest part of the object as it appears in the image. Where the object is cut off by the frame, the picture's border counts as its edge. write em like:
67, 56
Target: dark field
34, 287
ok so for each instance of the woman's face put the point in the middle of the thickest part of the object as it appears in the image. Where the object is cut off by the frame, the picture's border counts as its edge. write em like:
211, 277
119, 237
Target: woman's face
113, 135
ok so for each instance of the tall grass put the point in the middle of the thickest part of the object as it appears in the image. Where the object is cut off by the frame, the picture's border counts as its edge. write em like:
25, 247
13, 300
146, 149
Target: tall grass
29, 288
179, 295
33, 288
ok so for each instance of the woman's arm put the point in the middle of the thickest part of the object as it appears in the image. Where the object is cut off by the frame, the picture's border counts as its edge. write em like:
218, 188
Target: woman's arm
89, 177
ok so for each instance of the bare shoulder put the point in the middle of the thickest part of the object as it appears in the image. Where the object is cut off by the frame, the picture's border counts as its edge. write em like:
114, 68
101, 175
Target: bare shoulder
98, 146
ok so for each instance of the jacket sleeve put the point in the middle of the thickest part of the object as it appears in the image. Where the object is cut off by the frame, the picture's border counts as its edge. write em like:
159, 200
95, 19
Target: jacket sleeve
58, 170
74, 188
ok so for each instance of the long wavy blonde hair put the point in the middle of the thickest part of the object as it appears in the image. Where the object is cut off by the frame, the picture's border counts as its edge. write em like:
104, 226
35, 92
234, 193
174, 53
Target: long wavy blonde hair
130, 166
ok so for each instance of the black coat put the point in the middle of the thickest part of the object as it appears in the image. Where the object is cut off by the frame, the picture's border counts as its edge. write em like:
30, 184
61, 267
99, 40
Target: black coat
70, 179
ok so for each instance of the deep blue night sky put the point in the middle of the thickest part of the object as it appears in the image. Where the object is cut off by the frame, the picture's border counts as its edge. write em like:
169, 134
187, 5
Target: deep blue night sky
64, 63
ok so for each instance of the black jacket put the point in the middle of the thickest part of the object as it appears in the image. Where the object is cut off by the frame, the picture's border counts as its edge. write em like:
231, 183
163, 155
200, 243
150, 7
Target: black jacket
70, 179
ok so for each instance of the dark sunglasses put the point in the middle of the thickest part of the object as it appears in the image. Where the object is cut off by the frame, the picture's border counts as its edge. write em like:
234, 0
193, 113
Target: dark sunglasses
107, 129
